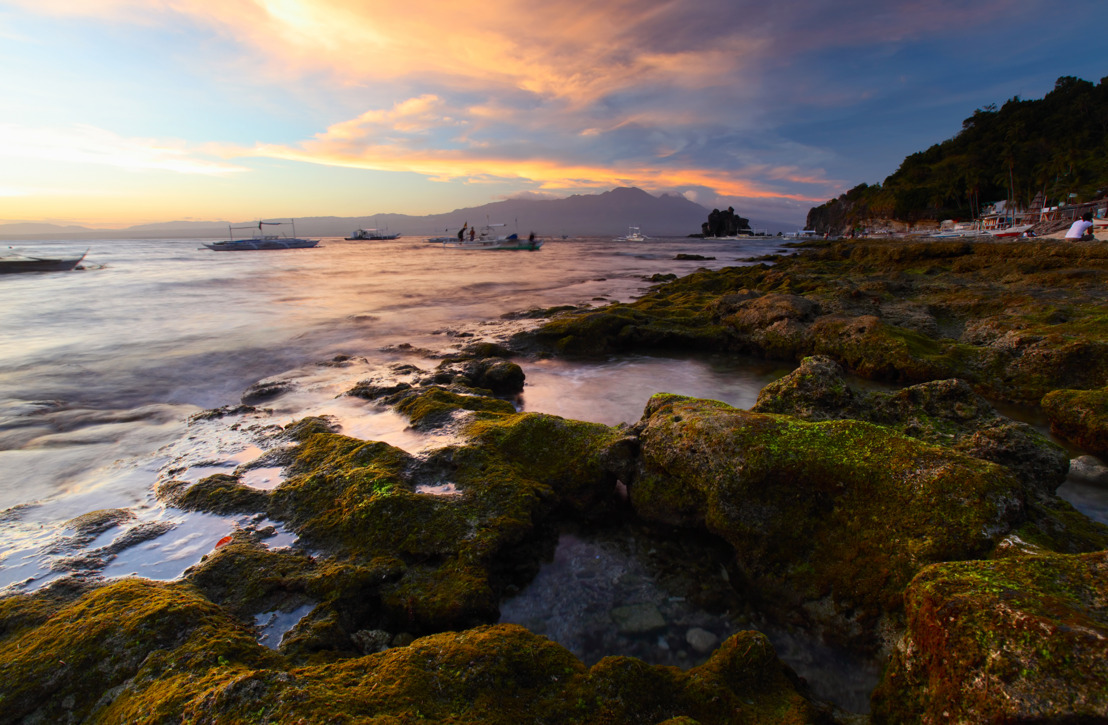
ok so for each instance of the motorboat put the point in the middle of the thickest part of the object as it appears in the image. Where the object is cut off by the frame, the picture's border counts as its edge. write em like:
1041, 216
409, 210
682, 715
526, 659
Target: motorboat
19, 260
634, 234
261, 240
490, 238
371, 235
1013, 231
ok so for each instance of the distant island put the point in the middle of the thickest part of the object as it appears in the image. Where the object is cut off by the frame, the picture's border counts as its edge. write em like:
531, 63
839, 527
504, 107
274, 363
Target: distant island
1054, 150
725, 224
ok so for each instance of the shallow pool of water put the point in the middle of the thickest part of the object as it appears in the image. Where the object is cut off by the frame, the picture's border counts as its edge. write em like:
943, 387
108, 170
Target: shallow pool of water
666, 600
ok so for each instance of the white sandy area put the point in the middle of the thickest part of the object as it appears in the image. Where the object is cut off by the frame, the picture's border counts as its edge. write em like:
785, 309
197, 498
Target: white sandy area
1101, 234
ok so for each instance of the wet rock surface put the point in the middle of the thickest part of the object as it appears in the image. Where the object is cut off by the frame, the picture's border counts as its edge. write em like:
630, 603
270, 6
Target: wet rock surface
944, 412
1022, 639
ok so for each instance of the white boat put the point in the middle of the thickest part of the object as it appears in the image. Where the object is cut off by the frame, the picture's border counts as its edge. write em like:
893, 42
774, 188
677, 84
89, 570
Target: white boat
371, 235
261, 240
20, 260
490, 238
1010, 231
958, 234
634, 234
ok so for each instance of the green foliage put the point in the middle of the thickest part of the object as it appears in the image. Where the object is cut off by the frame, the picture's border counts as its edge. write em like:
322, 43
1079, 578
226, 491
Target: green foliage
1057, 145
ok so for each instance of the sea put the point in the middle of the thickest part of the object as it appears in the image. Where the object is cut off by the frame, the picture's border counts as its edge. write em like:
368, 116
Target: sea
106, 373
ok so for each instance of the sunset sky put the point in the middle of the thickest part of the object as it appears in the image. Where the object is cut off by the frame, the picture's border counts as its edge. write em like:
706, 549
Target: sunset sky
121, 112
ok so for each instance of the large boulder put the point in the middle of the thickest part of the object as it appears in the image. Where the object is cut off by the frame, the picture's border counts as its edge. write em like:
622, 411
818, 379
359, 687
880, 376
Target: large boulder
1017, 640
828, 521
943, 412
1080, 416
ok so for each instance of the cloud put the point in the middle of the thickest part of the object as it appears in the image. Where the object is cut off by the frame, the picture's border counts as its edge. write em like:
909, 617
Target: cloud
554, 97
531, 196
83, 144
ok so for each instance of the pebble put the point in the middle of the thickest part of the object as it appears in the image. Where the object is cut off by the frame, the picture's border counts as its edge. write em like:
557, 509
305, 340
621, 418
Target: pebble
701, 640
638, 618
1089, 469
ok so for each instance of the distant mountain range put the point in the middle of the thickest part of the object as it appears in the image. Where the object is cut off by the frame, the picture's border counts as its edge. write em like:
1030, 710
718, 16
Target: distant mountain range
607, 214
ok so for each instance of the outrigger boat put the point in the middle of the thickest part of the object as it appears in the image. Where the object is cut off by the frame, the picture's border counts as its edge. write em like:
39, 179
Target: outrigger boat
18, 260
371, 235
489, 239
260, 240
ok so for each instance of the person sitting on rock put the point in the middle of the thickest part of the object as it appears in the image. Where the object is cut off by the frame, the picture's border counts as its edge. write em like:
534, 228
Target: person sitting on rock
1080, 231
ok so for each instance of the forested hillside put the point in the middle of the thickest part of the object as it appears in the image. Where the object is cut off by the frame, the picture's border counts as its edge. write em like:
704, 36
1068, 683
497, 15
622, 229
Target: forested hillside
1057, 145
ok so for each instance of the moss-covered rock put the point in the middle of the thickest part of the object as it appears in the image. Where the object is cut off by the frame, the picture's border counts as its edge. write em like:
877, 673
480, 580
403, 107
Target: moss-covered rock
814, 390
580, 461
69, 667
246, 578
831, 518
1080, 416
220, 493
944, 412
505, 674
432, 407
1023, 639
494, 374
136, 651
363, 502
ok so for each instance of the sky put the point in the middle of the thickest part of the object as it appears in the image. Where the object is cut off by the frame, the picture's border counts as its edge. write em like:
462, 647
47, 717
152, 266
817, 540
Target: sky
122, 112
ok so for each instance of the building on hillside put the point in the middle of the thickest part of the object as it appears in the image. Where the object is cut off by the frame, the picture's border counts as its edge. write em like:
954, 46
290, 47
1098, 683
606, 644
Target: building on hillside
999, 215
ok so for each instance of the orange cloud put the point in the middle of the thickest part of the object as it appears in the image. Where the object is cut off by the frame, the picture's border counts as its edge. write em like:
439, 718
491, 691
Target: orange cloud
574, 50
544, 174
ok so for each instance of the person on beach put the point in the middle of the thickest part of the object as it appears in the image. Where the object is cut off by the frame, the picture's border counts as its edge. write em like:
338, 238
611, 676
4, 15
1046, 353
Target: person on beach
1080, 230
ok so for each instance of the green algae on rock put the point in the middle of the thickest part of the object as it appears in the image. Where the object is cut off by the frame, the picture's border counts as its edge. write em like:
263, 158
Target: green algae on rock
580, 461
360, 502
434, 406
1080, 416
828, 519
943, 412
140, 651
129, 640
1023, 639
220, 493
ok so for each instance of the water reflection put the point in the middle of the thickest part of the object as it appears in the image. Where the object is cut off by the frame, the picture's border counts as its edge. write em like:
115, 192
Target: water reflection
616, 390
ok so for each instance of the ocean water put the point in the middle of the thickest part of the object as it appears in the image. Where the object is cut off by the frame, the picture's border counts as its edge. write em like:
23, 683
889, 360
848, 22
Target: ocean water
102, 368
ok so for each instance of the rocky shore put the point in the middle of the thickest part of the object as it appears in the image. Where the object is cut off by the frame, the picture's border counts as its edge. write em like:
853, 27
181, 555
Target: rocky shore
915, 526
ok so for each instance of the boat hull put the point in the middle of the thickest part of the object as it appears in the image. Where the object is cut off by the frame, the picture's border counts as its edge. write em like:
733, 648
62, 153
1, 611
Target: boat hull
1009, 232
497, 244
246, 245
12, 265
